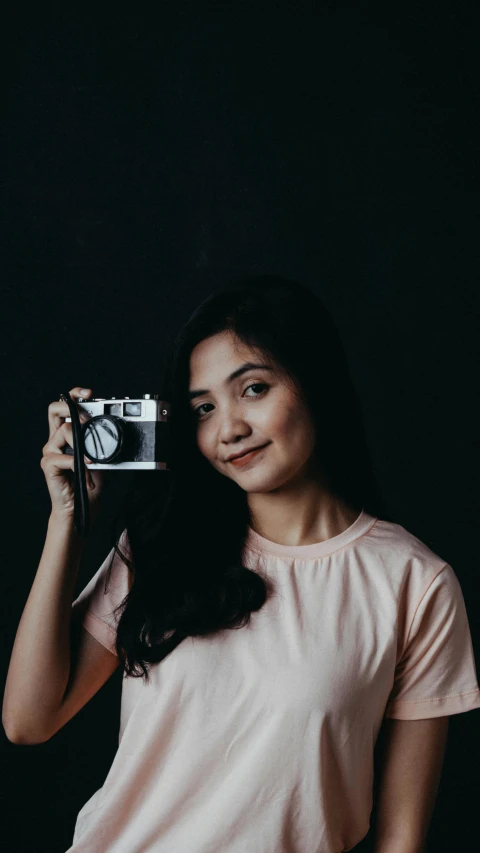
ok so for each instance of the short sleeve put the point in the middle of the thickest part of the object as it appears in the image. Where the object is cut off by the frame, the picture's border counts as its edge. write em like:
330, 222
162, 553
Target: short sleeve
436, 675
95, 606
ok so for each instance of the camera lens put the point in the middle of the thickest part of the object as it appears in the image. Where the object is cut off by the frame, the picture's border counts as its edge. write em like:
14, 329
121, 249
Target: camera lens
103, 438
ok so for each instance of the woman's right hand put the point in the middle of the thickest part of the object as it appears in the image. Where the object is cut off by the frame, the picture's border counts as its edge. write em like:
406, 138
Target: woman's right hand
58, 466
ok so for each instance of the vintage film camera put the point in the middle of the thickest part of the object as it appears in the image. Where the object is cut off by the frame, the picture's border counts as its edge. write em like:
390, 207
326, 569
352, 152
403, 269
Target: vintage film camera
131, 433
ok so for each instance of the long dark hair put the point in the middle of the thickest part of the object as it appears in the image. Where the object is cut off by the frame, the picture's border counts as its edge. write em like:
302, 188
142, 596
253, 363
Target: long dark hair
185, 528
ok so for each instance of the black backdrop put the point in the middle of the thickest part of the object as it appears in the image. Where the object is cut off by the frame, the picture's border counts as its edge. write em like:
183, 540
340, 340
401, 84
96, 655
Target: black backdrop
147, 158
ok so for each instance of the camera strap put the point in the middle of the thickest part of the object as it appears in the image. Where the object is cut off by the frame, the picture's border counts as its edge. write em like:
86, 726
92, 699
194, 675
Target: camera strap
81, 504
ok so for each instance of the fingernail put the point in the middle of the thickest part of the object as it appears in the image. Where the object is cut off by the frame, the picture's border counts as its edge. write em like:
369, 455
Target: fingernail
84, 391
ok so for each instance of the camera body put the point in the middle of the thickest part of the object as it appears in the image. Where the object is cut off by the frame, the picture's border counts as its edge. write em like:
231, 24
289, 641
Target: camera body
131, 433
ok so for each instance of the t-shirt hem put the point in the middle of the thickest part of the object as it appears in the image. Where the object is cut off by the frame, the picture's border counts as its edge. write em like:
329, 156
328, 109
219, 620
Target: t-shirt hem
102, 632
443, 706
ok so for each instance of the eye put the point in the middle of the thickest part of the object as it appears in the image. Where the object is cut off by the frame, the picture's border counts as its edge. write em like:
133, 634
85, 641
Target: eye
262, 385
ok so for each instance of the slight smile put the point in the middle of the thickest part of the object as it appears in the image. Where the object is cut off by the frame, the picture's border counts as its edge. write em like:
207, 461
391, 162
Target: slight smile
244, 460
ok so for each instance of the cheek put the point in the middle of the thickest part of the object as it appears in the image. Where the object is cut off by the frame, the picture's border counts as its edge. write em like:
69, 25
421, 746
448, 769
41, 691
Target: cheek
295, 426
203, 444
286, 420
278, 418
207, 443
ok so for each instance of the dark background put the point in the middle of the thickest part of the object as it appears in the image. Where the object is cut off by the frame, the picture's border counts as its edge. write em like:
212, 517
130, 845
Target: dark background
147, 158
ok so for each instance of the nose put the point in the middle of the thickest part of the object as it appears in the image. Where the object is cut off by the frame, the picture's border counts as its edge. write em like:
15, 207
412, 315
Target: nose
232, 426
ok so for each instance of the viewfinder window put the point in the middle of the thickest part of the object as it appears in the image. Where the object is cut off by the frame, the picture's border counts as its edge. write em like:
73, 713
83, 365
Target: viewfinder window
113, 409
132, 409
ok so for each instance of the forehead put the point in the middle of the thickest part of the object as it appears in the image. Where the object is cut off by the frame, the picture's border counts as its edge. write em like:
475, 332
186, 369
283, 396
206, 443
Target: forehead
219, 355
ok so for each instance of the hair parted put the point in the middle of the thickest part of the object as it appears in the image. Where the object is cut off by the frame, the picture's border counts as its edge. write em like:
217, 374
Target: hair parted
184, 528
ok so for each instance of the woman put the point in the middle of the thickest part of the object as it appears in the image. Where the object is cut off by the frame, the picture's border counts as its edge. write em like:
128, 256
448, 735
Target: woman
258, 739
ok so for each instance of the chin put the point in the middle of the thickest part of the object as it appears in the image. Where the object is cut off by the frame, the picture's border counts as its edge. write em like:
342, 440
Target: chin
266, 484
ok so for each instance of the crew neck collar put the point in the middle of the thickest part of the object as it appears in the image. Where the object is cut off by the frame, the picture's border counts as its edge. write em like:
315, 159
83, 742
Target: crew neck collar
317, 549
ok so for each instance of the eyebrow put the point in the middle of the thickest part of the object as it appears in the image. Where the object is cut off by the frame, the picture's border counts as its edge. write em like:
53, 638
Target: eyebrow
236, 373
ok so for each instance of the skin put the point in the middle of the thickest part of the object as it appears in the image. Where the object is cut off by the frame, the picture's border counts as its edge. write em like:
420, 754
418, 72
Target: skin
287, 497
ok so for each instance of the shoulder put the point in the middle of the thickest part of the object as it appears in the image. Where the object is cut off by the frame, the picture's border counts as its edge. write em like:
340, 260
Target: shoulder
402, 551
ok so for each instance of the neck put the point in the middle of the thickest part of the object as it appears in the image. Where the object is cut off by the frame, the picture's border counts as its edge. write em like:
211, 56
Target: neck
298, 515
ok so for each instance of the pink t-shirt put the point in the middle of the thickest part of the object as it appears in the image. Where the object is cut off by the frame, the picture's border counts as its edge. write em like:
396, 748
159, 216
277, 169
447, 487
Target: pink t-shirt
261, 739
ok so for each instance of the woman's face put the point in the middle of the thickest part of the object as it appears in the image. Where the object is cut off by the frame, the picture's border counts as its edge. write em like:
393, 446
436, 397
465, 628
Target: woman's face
231, 416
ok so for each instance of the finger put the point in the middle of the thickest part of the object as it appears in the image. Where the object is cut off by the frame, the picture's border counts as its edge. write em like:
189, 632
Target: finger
60, 439
58, 411
80, 392
63, 461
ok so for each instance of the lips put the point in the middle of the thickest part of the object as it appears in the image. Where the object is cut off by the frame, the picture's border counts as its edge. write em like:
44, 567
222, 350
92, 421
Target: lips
247, 453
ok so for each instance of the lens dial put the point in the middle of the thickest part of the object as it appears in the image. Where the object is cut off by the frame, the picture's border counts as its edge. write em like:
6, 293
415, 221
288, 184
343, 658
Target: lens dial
103, 438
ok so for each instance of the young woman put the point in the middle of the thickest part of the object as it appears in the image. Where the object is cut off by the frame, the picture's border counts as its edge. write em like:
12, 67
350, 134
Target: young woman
266, 613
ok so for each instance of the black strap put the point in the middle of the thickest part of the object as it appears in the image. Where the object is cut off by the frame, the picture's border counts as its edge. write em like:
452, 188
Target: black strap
81, 505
